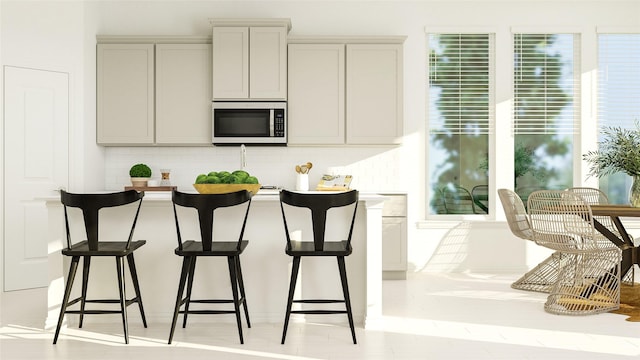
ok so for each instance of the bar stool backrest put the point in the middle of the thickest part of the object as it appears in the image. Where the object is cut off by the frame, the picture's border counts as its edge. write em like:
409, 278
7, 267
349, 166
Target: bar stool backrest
206, 204
90, 204
319, 204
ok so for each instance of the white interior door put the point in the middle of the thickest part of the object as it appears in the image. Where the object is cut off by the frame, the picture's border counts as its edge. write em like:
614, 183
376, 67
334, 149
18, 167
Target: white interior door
36, 122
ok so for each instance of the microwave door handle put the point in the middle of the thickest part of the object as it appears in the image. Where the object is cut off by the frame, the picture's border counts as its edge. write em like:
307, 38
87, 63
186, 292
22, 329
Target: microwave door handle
271, 123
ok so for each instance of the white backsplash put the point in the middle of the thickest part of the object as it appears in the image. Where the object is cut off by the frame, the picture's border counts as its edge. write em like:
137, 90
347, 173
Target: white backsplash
373, 168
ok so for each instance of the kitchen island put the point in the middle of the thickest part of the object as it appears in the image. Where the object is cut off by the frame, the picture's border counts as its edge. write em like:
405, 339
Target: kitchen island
265, 265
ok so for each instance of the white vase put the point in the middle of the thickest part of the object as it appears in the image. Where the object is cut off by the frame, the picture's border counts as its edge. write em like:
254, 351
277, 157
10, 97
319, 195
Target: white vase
302, 182
634, 192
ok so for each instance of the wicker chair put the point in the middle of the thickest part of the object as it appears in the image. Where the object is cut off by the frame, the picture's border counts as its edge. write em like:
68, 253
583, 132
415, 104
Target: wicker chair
598, 197
545, 274
589, 277
591, 195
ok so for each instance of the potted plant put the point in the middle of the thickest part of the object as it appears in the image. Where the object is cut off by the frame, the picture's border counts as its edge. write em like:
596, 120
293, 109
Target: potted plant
619, 151
140, 175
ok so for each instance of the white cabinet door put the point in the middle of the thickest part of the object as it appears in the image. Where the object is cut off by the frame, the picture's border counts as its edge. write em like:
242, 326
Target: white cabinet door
230, 62
374, 93
268, 63
394, 237
316, 94
394, 243
125, 94
183, 94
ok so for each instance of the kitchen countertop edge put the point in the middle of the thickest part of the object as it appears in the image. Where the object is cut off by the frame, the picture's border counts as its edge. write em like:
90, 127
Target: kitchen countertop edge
263, 195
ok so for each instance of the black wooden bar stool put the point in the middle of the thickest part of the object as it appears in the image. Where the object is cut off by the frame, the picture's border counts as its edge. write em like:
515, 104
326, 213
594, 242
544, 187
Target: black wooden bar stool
90, 204
206, 204
319, 204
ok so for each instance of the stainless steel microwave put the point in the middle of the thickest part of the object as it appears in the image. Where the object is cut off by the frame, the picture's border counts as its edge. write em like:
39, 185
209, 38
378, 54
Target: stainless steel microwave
249, 123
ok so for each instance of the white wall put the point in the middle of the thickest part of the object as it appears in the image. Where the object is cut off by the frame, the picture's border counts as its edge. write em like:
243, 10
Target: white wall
390, 169
48, 36
60, 35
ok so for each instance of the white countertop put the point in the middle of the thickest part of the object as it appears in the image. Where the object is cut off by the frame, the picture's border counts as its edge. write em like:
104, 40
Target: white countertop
262, 195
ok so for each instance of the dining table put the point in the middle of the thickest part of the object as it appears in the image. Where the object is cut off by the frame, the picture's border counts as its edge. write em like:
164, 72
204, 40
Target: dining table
630, 251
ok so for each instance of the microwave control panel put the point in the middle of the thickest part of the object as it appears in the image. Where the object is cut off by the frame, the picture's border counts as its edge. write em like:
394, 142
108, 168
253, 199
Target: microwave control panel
278, 123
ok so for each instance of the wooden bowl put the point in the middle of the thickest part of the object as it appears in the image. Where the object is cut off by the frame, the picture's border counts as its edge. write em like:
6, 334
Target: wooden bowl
225, 188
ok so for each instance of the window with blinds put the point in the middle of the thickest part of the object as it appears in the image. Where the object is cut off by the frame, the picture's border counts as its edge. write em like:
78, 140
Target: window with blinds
618, 97
460, 86
546, 84
461, 117
619, 80
546, 110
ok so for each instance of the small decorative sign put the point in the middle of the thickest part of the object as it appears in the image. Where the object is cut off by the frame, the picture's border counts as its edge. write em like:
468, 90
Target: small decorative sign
334, 183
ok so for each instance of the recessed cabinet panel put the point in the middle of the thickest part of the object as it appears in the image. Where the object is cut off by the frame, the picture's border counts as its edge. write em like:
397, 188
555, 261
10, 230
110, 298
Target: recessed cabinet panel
249, 63
183, 94
345, 92
374, 93
394, 249
316, 104
394, 237
231, 62
125, 94
268, 63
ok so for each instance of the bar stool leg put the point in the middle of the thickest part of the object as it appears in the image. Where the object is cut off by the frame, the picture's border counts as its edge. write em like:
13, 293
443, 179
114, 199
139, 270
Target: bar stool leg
187, 299
136, 286
244, 298
292, 289
123, 301
231, 260
347, 299
67, 293
86, 264
186, 264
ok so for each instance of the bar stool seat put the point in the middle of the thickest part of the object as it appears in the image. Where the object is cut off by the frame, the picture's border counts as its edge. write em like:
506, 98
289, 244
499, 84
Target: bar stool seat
334, 248
218, 248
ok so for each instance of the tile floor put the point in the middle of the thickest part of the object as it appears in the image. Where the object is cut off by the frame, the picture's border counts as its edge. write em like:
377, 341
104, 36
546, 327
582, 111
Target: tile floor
428, 316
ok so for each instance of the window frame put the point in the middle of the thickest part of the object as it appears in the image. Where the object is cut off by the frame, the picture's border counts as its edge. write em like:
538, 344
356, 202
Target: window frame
491, 33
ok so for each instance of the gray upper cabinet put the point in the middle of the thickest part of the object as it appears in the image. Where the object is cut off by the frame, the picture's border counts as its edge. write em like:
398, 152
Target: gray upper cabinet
183, 94
250, 59
316, 105
125, 94
155, 93
230, 62
345, 91
374, 94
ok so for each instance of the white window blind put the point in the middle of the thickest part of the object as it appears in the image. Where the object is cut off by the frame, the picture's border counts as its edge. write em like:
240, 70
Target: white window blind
460, 83
546, 83
619, 80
